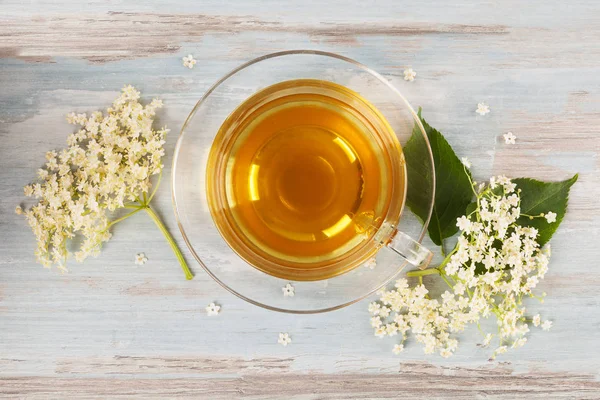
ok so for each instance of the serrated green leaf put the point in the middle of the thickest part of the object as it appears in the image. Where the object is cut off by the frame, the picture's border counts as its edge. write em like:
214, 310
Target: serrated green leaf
541, 197
453, 191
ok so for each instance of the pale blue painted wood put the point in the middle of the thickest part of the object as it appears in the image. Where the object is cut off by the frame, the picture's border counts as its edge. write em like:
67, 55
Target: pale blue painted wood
536, 64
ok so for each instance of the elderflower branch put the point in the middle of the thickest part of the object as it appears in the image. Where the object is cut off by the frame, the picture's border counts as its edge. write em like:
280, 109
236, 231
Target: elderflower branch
108, 164
495, 263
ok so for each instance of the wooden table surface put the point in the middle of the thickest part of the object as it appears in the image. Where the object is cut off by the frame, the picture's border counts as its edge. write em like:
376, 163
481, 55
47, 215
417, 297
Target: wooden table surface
111, 329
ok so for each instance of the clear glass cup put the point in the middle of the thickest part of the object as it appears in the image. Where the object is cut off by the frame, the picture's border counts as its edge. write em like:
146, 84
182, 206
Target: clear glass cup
401, 235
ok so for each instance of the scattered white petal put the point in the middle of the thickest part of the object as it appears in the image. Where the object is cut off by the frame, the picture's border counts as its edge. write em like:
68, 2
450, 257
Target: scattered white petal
371, 263
409, 74
482, 109
18, 210
288, 290
466, 162
212, 309
550, 217
537, 320
398, 349
284, 339
546, 325
509, 138
189, 61
140, 259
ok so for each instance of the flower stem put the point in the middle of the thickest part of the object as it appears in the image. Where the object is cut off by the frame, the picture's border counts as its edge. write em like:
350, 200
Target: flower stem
163, 229
420, 273
137, 209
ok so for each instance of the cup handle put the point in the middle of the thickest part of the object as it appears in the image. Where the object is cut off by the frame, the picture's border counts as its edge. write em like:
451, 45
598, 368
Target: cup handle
409, 249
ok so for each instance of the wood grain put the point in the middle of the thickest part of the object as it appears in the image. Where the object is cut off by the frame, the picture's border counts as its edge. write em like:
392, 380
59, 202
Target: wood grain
109, 329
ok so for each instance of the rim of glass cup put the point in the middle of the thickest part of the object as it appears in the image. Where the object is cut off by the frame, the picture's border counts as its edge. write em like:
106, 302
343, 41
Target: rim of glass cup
209, 92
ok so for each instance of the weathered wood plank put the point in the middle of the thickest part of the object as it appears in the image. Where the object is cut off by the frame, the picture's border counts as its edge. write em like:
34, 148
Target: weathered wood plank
109, 329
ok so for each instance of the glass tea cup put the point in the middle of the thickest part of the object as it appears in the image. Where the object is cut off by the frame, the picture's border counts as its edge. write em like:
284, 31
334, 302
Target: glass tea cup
238, 267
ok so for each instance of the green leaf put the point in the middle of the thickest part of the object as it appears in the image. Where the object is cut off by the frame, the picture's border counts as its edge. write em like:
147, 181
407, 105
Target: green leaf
541, 197
453, 191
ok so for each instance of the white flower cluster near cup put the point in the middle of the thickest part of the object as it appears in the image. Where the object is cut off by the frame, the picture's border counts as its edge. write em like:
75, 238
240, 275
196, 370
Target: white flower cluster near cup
495, 264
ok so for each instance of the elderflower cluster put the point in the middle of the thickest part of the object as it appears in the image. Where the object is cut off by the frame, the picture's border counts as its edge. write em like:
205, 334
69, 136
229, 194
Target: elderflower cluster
108, 162
495, 263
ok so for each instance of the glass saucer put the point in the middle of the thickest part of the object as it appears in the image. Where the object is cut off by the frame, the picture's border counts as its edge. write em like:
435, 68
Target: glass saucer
189, 181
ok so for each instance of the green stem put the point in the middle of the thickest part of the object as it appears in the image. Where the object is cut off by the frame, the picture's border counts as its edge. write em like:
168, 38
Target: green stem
111, 223
420, 273
163, 229
155, 187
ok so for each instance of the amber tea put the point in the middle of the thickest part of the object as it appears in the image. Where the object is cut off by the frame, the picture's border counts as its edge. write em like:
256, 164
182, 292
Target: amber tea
299, 177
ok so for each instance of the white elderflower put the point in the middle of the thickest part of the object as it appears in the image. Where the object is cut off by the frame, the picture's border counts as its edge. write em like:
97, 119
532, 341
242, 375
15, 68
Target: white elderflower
550, 217
482, 109
487, 340
108, 164
509, 138
19, 210
189, 61
140, 259
376, 322
409, 74
288, 290
284, 339
465, 161
374, 308
381, 331
536, 320
495, 263
546, 325
212, 309
501, 350
398, 348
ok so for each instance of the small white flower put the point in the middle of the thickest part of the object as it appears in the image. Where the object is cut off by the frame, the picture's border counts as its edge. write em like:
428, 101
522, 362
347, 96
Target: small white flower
482, 109
519, 343
501, 350
381, 332
140, 259
374, 308
464, 224
546, 325
487, 340
371, 263
284, 339
189, 61
445, 353
466, 162
18, 210
398, 349
288, 290
409, 74
376, 322
550, 217
212, 309
536, 320
509, 138
384, 312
